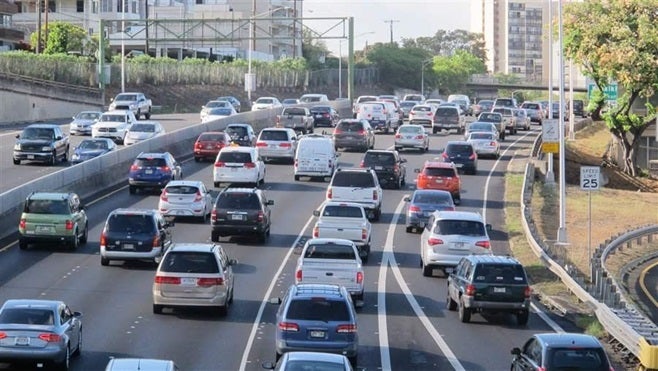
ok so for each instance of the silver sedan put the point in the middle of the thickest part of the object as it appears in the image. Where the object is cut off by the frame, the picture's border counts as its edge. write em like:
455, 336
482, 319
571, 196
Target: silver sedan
39, 332
412, 136
485, 144
186, 198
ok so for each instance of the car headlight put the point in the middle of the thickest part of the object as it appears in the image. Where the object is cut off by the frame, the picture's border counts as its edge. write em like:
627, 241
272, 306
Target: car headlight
17, 147
46, 148
133, 105
75, 156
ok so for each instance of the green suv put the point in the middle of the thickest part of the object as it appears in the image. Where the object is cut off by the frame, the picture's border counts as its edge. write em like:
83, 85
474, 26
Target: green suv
489, 284
53, 218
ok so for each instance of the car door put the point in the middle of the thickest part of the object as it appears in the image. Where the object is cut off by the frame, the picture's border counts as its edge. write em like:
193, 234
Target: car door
207, 197
164, 231
260, 164
227, 270
69, 324
78, 213
530, 358
266, 209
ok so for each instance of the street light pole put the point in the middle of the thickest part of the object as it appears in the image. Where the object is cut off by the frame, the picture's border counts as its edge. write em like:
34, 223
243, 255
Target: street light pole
340, 68
562, 230
422, 75
550, 174
123, 46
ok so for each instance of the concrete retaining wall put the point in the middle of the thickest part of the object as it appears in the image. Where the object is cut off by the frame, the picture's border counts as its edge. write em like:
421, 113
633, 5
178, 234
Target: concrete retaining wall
89, 178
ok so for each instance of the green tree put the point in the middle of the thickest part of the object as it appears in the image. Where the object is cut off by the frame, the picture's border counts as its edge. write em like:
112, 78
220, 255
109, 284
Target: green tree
314, 50
61, 37
454, 71
447, 43
399, 67
620, 46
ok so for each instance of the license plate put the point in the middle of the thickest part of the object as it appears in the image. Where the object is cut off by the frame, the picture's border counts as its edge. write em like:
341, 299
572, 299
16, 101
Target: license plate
234, 169
236, 217
317, 334
379, 168
187, 281
209, 146
449, 270
439, 181
459, 165
43, 229
22, 340
128, 246
30, 157
148, 172
408, 137
500, 290
458, 245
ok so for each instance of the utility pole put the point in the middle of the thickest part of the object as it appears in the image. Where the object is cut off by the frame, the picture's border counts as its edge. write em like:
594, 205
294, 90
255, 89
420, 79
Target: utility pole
390, 25
39, 26
294, 30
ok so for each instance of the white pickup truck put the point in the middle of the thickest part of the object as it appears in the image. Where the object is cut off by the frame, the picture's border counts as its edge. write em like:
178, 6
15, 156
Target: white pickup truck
135, 102
297, 118
345, 220
331, 261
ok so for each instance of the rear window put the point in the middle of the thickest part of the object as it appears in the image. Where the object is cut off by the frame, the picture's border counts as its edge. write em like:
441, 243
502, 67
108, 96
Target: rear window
38, 133
479, 127
508, 274
236, 130
531, 106
182, 189
407, 104
459, 227
446, 111
410, 129
353, 179
321, 309
505, 102
235, 157
320, 109
379, 159
433, 198
439, 171
486, 136
25, 316
135, 223
295, 111
236, 200
150, 162
466, 149
211, 137
421, 109
274, 135
490, 117
330, 251
588, 359
578, 104
189, 262
350, 126
503, 111
343, 211
314, 365
47, 207
367, 99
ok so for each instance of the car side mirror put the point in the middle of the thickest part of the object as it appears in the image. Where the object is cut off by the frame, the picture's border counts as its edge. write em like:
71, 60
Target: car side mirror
403, 160
233, 262
275, 301
516, 351
489, 227
59, 137
316, 212
270, 202
170, 221
268, 365
337, 154
417, 171
18, 136
407, 199
77, 314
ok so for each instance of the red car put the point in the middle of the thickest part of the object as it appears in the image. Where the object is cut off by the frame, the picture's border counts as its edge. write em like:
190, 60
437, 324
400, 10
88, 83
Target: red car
442, 176
208, 145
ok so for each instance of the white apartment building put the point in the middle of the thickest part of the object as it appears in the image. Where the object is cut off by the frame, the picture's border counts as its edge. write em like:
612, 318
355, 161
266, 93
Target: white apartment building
225, 30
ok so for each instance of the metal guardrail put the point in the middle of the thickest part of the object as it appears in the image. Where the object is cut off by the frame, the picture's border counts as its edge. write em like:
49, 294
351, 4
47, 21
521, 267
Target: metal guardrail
625, 324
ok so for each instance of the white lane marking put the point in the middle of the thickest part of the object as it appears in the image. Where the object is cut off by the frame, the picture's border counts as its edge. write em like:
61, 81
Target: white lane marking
552, 324
259, 316
389, 258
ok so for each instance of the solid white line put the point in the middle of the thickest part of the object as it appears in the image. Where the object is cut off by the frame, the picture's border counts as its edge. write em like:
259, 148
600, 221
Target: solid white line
389, 258
552, 324
259, 316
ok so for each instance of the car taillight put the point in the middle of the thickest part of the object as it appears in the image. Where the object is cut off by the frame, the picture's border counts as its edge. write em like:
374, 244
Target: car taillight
414, 209
165, 169
361, 132
470, 290
208, 281
69, 225
298, 275
363, 163
483, 244
375, 196
285, 145
346, 329
330, 193
261, 144
338, 131
359, 277
527, 292
103, 239
435, 241
419, 137
450, 208
197, 196
198, 145
260, 216
134, 168
220, 164
213, 216
445, 156
163, 196
396, 168
220, 145
22, 224
325, 114
3, 335
364, 233
296, 164
50, 338
316, 232
492, 143
473, 156
398, 136
167, 280
288, 327
249, 165
156, 241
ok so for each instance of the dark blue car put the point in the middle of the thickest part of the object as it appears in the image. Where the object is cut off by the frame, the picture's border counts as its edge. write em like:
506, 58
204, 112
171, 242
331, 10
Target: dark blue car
90, 148
154, 171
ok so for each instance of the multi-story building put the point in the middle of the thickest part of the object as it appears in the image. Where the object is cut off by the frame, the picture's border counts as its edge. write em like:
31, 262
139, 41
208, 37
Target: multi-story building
276, 29
10, 36
516, 38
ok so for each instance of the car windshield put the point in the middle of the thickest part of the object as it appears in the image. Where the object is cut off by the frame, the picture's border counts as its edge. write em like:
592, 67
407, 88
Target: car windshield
350, 126
217, 137
278, 135
27, 316
433, 198
234, 131
182, 189
459, 227
295, 111
93, 144
444, 112
534, 106
407, 104
318, 309
87, 116
290, 101
217, 103
353, 179
320, 109
313, 365
126, 97
189, 262
483, 136
439, 171
372, 158
330, 251
235, 157
47, 207
265, 100
500, 273
221, 111
112, 118
38, 134
310, 99
422, 109
490, 117
581, 359
143, 128
240, 201
228, 99
342, 211
130, 223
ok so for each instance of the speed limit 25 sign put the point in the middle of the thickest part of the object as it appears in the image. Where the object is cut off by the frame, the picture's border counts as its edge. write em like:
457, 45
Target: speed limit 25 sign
590, 178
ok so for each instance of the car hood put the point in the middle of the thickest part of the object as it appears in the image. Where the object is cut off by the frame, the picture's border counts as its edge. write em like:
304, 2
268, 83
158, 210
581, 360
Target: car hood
34, 142
110, 124
124, 102
262, 106
82, 122
140, 135
84, 152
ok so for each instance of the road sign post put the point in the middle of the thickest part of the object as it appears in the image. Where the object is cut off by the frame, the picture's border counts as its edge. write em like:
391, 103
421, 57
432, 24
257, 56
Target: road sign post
590, 180
550, 136
610, 91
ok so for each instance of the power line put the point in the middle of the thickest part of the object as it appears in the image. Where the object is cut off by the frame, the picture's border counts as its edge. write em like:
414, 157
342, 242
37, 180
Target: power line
390, 23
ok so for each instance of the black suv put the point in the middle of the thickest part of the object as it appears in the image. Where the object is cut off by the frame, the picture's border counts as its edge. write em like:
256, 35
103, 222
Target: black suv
463, 155
42, 143
135, 234
489, 283
579, 108
388, 166
241, 212
241, 134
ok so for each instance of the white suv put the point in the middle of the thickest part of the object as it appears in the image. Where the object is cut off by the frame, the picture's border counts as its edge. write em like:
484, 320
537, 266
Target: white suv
238, 165
357, 185
450, 235
113, 125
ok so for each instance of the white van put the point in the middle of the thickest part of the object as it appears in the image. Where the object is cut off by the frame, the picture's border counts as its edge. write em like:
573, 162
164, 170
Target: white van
377, 114
316, 156
140, 364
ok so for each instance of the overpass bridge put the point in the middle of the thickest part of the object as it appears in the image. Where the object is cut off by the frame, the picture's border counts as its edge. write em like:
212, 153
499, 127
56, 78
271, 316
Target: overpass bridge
488, 85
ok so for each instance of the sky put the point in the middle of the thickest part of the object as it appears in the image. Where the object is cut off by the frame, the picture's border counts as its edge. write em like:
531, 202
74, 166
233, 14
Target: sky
411, 19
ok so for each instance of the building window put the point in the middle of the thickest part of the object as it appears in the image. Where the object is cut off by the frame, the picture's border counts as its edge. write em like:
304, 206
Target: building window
94, 7
120, 5
106, 6
80, 6
199, 2
19, 6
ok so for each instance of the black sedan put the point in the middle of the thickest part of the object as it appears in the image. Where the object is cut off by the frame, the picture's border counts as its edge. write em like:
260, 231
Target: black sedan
324, 116
90, 148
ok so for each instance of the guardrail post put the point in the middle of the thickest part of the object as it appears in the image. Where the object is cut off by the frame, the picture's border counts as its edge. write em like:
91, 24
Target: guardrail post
650, 238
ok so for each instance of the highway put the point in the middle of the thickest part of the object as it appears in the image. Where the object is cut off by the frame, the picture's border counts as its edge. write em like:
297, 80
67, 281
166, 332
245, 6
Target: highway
403, 325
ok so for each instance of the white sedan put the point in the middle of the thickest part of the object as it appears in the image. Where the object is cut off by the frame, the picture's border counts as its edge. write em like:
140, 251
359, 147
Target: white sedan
218, 113
412, 136
186, 198
238, 165
266, 103
485, 144
143, 130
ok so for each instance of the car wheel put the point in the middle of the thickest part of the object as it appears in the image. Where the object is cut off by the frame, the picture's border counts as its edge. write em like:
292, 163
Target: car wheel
214, 236
398, 184
148, 114
450, 304
457, 199
230, 298
85, 235
277, 357
223, 309
105, 261
197, 159
378, 214
75, 242
66, 363
138, 114
132, 190
428, 271
434, 131
397, 148
464, 313
157, 309
522, 317
22, 244
296, 178
262, 237
78, 349
353, 360
204, 218
410, 229
53, 159
65, 158
17, 162
404, 180
216, 184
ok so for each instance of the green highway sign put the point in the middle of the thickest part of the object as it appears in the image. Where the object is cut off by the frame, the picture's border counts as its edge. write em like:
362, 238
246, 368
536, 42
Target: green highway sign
610, 91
